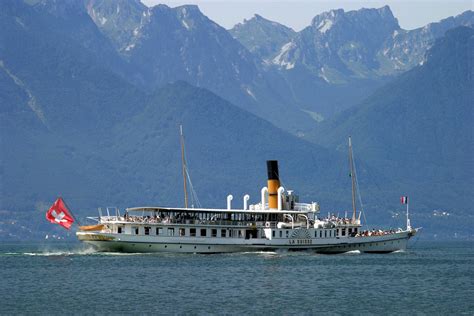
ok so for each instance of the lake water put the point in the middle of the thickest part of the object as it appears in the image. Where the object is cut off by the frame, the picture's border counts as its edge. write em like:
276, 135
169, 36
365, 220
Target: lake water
430, 278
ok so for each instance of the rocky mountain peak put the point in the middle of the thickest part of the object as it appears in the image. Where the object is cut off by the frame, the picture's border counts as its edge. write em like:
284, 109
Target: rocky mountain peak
121, 20
189, 9
258, 21
261, 36
330, 16
359, 19
190, 16
187, 17
386, 11
257, 18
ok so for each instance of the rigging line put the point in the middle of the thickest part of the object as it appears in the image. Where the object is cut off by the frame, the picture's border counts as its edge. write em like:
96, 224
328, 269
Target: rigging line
193, 192
194, 196
282, 184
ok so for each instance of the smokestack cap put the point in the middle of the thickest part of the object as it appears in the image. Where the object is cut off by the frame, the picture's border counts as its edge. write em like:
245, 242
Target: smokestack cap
272, 170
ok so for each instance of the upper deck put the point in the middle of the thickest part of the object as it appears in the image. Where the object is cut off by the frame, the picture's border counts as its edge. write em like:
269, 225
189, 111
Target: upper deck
300, 208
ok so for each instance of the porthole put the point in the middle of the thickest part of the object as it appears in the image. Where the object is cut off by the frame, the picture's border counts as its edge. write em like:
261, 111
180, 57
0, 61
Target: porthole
149, 245
194, 247
180, 247
209, 247
166, 246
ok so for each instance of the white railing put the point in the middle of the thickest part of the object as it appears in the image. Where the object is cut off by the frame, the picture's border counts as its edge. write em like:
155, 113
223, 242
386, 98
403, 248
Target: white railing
303, 207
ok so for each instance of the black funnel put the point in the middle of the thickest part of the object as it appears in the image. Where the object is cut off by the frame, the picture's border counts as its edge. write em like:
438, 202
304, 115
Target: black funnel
272, 170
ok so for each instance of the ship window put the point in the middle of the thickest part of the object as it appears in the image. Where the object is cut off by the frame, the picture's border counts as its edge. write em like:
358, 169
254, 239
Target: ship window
273, 233
192, 232
315, 234
147, 230
135, 229
203, 232
281, 234
170, 231
240, 234
119, 230
222, 232
343, 232
287, 233
320, 234
325, 233
159, 231
213, 232
182, 232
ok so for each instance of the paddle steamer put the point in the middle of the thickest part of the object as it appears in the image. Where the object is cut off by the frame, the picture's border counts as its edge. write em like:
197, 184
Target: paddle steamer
278, 222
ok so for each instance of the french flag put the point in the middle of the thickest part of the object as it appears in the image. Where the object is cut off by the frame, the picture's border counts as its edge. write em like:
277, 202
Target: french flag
404, 199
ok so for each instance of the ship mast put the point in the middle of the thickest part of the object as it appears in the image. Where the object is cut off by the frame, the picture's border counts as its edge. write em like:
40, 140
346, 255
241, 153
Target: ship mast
352, 174
183, 163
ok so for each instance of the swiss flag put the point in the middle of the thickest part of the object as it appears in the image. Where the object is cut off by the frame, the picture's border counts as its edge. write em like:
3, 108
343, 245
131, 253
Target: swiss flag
59, 214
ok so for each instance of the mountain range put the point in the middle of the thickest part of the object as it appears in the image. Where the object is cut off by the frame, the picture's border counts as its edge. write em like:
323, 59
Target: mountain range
342, 57
92, 93
308, 75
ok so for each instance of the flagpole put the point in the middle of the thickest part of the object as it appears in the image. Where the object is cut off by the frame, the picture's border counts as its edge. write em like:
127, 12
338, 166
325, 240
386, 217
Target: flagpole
408, 219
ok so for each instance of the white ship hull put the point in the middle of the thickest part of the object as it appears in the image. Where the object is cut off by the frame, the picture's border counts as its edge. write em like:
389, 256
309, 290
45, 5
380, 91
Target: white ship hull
148, 244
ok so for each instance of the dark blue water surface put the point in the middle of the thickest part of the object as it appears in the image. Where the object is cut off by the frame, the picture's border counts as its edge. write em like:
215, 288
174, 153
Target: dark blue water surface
430, 278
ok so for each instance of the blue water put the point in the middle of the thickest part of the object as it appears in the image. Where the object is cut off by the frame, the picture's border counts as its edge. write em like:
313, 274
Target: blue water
430, 278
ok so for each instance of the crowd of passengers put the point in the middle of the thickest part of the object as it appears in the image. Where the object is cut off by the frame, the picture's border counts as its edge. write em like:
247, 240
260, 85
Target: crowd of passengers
374, 232
159, 219
180, 218
339, 220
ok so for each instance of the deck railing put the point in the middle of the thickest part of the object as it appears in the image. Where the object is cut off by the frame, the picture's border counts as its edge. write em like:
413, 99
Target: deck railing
145, 220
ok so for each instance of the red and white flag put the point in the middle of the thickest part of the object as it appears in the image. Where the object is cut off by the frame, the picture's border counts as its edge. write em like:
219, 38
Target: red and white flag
59, 214
404, 199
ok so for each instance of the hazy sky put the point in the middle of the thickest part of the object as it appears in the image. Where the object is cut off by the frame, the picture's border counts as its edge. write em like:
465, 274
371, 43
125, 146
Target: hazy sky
298, 13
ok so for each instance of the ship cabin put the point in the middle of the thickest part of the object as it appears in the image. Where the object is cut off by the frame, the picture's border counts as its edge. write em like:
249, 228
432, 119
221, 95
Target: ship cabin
253, 223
